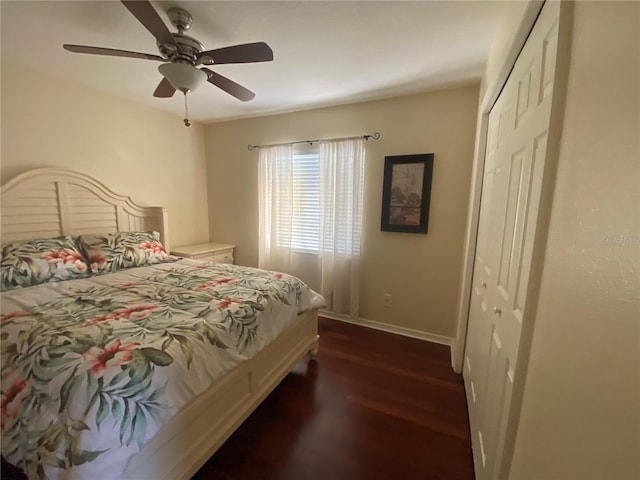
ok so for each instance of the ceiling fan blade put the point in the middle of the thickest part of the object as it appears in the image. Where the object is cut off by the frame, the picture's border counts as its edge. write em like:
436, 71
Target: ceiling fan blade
111, 52
164, 90
149, 18
229, 86
245, 53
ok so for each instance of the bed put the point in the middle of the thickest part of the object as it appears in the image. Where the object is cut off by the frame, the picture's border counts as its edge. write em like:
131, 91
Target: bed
133, 364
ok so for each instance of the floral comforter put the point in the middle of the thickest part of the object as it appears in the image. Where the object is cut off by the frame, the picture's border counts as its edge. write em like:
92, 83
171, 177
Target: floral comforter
93, 368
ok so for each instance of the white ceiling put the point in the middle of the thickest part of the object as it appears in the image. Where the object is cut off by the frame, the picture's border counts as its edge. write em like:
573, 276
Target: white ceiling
325, 52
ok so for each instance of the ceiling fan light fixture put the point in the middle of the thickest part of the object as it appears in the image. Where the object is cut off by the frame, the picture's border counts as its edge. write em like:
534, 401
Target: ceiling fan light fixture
183, 77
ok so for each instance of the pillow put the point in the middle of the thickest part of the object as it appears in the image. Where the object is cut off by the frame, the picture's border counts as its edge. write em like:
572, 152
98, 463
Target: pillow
32, 262
116, 251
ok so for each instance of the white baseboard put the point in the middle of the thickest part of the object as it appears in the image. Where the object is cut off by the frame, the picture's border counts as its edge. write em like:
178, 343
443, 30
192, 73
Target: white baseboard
385, 327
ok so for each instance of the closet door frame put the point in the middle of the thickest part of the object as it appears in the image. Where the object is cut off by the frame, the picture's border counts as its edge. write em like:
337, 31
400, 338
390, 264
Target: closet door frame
489, 98
486, 104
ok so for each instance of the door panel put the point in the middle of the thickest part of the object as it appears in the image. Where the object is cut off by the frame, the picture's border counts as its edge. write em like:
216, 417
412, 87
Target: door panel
512, 181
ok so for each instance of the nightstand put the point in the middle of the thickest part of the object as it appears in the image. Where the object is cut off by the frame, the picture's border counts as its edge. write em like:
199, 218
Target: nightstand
211, 252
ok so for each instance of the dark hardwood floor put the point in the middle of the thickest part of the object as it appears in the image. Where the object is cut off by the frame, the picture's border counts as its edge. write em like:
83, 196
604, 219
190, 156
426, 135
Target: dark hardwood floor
373, 406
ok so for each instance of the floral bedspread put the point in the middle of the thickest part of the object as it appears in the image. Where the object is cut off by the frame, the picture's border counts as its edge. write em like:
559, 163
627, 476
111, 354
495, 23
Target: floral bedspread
93, 368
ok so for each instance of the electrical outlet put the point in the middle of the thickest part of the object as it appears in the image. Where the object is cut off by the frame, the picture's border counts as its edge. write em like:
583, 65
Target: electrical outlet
386, 299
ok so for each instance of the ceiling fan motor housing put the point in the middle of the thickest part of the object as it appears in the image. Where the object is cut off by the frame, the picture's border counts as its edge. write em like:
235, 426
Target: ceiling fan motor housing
188, 47
188, 50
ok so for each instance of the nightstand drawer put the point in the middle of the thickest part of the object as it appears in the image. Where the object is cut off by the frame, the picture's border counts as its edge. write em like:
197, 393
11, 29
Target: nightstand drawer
218, 257
211, 252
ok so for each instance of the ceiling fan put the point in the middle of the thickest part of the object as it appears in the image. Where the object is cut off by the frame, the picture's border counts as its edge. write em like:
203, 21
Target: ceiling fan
181, 55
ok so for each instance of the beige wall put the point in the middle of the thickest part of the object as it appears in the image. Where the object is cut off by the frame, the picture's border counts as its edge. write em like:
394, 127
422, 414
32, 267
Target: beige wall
132, 149
580, 416
421, 272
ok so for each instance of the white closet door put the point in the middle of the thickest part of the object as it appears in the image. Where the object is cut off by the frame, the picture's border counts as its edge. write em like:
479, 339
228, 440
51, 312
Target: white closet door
512, 180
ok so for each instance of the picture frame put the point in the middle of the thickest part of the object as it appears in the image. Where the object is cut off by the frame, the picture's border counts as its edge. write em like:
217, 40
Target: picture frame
406, 193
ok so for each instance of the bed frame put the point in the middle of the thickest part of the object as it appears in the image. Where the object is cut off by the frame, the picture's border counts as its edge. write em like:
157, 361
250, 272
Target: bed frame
50, 202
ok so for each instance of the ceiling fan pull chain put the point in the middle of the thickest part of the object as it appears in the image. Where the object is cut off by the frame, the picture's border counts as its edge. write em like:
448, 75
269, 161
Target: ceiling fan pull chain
186, 111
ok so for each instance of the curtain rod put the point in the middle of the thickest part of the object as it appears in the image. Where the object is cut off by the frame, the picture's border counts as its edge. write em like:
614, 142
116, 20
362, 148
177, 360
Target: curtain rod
375, 136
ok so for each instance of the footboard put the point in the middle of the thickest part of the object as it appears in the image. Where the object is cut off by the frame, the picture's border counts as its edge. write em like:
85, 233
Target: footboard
185, 443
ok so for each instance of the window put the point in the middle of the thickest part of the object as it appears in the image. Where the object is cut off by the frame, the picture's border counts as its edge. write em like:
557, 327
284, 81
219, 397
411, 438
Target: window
310, 205
304, 229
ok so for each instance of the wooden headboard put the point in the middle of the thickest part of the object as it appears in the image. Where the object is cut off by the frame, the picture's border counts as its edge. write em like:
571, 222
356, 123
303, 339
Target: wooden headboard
51, 202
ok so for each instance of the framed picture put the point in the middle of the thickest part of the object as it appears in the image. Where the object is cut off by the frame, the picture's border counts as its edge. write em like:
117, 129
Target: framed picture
406, 192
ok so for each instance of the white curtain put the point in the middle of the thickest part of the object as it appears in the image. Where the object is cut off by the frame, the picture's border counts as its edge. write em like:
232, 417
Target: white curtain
275, 192
341, 192
334, 269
